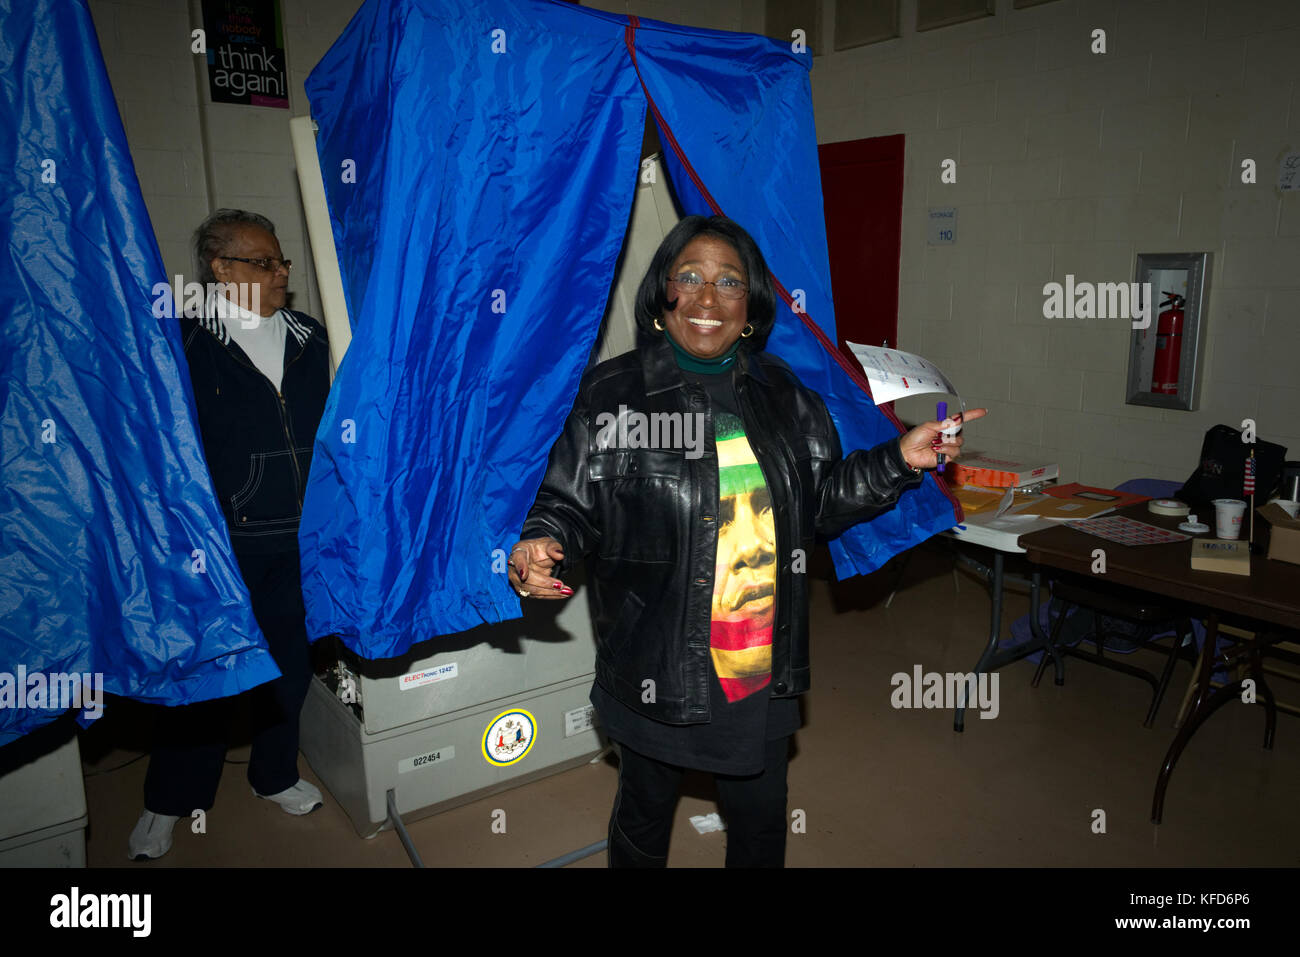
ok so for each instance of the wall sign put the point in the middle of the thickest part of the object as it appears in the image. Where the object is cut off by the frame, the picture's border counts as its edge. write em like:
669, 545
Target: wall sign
942, 226
245, 40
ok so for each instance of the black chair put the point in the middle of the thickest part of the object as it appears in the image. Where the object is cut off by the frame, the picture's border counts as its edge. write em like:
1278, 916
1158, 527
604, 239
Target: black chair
1131, 606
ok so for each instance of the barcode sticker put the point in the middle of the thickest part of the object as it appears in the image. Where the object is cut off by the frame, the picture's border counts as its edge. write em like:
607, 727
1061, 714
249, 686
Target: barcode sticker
579, 720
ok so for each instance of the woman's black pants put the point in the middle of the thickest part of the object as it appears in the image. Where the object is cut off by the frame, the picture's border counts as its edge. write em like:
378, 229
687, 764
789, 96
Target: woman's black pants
190, 745
753, 808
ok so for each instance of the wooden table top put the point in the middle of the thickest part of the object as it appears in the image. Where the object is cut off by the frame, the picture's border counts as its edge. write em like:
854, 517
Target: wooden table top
1270, 593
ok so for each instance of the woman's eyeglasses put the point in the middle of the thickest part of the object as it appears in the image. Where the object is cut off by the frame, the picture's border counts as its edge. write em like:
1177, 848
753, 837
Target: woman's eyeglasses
726, 287
270, 265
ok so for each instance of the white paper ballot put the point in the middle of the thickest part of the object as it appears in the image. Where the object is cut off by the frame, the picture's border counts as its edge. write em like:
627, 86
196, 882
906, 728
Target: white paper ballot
704, 823
894, 374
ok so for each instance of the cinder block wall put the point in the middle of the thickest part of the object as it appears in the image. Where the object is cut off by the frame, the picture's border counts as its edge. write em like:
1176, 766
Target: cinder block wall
1071, 162
247, 161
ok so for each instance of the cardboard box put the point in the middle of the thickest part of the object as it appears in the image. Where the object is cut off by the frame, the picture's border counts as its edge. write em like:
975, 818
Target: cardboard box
999, 473
1284, 533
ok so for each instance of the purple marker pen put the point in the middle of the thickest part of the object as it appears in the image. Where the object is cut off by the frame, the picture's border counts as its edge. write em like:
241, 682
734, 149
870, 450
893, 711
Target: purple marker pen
940, 413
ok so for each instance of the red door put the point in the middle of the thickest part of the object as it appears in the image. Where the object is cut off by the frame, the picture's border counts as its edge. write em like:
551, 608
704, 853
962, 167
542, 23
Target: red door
862, 192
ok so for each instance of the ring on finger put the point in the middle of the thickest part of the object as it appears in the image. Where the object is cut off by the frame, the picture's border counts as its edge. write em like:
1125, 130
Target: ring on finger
523, 592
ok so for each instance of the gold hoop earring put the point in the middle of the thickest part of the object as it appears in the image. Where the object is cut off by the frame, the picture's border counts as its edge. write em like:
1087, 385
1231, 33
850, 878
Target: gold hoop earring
659, 325
747, 331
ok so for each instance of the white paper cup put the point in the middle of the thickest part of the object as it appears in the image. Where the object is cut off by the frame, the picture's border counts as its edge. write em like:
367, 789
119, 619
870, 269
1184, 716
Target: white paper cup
1228, 513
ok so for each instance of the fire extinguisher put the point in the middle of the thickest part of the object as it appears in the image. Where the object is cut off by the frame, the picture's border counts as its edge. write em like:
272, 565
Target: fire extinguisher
1169, 345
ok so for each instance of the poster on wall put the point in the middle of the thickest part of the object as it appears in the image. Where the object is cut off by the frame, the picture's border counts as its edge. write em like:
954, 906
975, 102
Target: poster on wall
245, 40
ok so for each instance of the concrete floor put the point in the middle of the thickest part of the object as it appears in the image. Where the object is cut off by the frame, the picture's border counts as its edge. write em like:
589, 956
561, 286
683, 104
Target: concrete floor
878, 786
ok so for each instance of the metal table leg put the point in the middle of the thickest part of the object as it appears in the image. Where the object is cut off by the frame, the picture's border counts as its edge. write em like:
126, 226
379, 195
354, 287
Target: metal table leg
1035, 586
991, 660
1206, 702
995, 633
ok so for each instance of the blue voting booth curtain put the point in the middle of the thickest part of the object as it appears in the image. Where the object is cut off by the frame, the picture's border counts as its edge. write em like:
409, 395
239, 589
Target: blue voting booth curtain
114, 556
480, 161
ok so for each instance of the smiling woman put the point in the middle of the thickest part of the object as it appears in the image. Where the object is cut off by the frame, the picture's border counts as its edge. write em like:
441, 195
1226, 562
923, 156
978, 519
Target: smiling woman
699, 294
705, 552
708, 316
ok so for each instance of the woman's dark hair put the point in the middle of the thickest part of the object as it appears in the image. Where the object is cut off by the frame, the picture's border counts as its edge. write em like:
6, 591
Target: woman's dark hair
652, 297
215, 234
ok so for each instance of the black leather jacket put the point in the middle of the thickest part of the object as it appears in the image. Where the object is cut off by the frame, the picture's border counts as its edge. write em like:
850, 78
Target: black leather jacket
258, 442
648, 518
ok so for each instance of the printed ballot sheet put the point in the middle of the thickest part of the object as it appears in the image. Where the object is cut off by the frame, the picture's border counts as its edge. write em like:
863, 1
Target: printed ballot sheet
894, 374
1127, 531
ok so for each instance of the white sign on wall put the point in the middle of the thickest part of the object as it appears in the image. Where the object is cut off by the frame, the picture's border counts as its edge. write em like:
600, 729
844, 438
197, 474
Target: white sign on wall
941, 229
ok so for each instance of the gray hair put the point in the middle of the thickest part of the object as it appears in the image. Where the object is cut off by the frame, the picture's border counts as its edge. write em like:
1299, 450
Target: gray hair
214, 235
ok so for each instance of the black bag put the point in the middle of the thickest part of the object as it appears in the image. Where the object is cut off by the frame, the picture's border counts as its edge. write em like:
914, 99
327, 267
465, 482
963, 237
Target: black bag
1222, 469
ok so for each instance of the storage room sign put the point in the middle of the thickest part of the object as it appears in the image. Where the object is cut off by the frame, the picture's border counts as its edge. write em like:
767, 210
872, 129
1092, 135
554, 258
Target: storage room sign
245, 41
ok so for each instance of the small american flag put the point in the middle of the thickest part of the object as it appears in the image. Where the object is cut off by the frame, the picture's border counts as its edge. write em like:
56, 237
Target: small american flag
1248, 483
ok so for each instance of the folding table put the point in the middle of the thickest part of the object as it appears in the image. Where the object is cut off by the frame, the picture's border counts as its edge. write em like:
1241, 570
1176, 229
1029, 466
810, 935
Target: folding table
1268, 594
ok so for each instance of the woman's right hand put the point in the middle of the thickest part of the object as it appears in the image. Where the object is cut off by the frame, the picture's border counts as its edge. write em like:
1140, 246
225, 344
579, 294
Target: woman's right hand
531, 561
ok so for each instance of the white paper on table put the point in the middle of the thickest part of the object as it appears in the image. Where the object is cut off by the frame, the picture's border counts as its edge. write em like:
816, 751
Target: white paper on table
894, 374
1008, 499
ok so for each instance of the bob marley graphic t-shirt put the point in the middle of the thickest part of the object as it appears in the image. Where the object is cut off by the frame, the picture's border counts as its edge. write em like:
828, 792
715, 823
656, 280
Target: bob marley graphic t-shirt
744, 574
743, 714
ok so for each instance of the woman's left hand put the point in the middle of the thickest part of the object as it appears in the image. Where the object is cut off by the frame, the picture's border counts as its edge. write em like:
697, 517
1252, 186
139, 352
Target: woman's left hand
921, 446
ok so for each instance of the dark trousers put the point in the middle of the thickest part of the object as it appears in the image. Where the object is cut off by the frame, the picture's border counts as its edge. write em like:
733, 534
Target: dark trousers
753, 808
190, 740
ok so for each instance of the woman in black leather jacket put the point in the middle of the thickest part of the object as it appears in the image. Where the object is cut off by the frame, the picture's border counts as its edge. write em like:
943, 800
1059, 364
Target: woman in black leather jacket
696, 472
